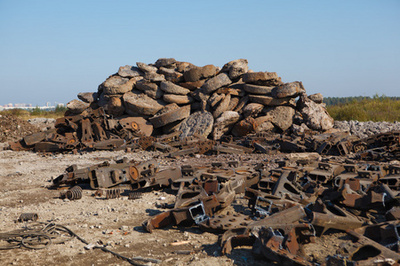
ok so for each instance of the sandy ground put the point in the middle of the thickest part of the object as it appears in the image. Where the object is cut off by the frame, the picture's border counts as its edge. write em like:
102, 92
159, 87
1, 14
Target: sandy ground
24, 181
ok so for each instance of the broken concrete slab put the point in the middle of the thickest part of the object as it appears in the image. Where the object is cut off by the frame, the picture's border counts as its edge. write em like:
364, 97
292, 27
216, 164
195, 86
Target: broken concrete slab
236, 68
77, 107
252, 109
315, 115
292, 89
200, 123
117, 85
166, 62
262, 78
224, 123
216, 82
270, 101
316, 97
169, 114
129, 71
146, 68
281, 116
88, 97
198, 73
178, 99
137, 103
222, 106
257, 89
172, 88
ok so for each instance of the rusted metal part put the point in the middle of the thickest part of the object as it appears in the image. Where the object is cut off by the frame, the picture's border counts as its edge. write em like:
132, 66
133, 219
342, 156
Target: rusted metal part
109, 144
18, 146
28, 216
325, 172
48, 147
74, 193
87, 133
159, 178
392, 179
223, 222
146, 142
386, 233
37, 137
376, 196
333, 217
283, 249
136, 124
113, 193
98, 132
134, 195
364, 251
393, 214
285, 186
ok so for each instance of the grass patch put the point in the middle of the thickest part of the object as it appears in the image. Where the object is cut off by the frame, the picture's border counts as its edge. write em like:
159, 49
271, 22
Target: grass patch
378, 108
36, 112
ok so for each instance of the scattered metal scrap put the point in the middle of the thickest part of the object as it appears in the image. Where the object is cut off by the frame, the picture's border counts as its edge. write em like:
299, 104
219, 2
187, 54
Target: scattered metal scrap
288, 206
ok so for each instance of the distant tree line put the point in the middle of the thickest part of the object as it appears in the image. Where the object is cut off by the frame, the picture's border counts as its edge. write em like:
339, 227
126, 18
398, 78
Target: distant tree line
331, 101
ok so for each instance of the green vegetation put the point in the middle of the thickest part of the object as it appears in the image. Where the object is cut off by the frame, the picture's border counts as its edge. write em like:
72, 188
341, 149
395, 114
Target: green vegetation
36, 112
377, 108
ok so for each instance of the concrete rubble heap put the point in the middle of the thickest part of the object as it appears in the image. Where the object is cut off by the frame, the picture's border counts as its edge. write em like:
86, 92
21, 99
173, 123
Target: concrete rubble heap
171, 97
228, 100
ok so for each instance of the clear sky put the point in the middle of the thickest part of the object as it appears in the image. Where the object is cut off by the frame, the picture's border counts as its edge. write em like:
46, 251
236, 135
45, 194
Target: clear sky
52, 50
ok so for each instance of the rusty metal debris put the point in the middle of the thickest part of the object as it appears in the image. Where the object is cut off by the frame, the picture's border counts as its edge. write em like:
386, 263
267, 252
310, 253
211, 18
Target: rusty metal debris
285, 204
28, 216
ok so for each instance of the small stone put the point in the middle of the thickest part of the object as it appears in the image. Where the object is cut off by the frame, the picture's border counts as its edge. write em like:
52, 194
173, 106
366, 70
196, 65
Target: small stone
317, 97
124, 228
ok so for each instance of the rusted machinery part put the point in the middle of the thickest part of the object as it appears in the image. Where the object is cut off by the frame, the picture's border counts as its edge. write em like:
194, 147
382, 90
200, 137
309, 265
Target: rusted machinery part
170, 116
134, 195
137, 124
146, 142
28, 217
133, 173
113, 193
74, 193
99, 193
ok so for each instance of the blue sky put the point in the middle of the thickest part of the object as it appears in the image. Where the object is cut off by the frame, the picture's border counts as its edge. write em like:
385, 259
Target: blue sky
52, 50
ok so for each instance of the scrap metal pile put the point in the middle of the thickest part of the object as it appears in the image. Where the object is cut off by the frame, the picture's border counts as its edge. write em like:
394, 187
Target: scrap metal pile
278, 207
171, 96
